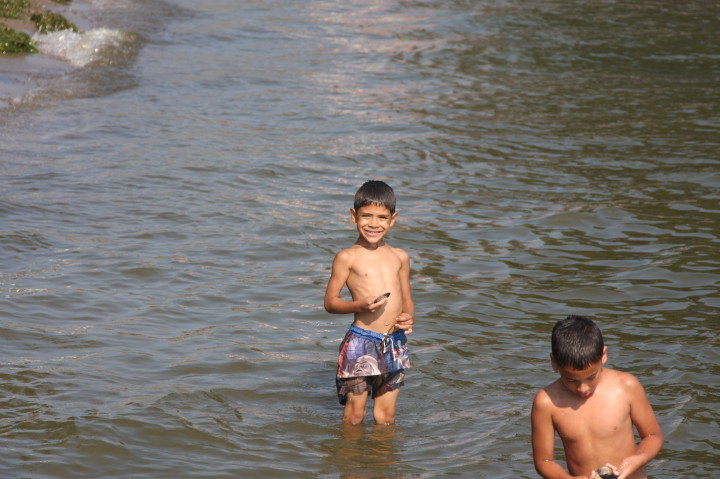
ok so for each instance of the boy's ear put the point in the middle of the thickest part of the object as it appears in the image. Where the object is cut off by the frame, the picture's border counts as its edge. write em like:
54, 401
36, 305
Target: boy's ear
604, 355
553, 362
353, 215
392, 219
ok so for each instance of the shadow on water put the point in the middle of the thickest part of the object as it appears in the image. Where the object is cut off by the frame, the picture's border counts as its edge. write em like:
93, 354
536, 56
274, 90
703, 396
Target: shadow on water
363, 452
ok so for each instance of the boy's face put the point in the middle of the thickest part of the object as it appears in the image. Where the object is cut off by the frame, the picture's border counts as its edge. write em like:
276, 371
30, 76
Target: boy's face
373, 222
581, 382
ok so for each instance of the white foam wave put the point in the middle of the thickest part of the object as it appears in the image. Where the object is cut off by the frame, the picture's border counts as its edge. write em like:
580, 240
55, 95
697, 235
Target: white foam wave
80, 49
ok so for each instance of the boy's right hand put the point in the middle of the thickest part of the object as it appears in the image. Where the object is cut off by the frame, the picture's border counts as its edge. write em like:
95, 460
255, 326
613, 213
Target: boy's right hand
369, 303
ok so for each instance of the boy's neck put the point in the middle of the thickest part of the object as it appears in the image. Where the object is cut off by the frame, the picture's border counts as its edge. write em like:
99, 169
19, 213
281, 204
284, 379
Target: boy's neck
370, 246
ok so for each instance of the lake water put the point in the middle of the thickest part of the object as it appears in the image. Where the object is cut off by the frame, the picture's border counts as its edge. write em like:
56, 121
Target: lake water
176, 180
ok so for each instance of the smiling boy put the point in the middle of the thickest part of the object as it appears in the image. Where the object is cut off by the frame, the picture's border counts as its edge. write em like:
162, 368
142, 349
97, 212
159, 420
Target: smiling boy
373, 354
593, 409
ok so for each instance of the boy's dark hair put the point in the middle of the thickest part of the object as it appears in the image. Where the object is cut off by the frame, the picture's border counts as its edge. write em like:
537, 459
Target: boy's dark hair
375, 192
577, 342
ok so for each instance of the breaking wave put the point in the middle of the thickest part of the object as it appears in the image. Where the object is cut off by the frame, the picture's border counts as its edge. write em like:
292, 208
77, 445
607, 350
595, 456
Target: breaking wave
99, 45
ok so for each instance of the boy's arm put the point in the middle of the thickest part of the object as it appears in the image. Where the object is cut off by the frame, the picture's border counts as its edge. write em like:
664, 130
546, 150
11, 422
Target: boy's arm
543, 439
406, 318
644, 420
340, 273
338, 279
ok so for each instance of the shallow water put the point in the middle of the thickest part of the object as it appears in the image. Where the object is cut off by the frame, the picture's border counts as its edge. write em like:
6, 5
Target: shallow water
171, 205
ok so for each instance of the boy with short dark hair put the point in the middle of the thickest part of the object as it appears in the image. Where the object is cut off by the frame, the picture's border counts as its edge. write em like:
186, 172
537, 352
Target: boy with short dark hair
373, 354
593, 409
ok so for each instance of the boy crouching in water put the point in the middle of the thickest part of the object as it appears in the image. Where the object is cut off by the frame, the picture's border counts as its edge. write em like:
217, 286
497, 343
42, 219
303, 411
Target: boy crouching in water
593, 409
373, 354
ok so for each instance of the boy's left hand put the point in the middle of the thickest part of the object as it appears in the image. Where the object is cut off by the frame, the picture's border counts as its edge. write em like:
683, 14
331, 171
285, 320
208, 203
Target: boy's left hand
610, 471
630, 465
405, 321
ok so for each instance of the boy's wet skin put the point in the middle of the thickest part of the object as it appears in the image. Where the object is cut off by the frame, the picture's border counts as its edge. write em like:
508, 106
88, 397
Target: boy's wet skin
374, 353
369, 268
593, 409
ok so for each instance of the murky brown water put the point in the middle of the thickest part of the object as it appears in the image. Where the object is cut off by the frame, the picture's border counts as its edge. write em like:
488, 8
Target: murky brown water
169, 212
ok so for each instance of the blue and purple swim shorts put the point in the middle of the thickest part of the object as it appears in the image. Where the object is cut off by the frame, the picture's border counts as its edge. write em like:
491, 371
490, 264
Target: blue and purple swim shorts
371, 361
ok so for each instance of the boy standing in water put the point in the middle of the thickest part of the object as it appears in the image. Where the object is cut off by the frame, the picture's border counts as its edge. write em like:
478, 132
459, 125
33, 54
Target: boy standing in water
593, 409
373, 354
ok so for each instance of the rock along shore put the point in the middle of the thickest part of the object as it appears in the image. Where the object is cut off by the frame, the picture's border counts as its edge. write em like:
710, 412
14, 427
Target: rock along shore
21, 18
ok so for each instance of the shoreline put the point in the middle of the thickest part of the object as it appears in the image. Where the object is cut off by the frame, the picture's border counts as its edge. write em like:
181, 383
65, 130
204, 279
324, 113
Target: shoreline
20, 20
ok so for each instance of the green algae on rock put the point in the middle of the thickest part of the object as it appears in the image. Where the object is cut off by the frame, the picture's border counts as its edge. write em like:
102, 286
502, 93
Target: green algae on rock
17, 16
12, 8
12, 41
47, 22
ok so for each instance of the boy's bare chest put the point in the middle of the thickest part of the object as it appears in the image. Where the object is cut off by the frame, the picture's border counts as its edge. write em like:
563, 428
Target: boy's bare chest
376, 264
596, 419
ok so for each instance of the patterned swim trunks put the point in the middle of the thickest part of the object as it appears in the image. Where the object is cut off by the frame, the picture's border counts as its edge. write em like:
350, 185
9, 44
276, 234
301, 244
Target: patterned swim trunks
371, 361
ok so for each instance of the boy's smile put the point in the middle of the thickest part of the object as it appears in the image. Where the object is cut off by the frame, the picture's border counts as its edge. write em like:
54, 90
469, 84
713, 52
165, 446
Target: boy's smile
373, 223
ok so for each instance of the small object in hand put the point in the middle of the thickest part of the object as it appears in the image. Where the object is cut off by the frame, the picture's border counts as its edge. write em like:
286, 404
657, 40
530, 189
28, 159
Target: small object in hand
606, 473
381, 297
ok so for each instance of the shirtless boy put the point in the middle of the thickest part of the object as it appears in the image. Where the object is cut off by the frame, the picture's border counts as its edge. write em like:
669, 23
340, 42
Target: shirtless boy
373, 354
593, 409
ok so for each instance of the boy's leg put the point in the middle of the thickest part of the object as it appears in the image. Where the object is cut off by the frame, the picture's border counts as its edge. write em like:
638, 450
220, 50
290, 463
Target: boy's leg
384, 407
355, 407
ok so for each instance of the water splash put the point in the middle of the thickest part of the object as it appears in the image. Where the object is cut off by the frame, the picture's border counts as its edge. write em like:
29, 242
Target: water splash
80, 49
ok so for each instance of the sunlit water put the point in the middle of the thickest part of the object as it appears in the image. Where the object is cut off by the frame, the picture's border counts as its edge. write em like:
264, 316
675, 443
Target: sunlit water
177, 178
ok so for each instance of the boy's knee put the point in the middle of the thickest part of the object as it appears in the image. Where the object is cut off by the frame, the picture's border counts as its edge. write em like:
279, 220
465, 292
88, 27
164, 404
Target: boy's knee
384, 415
385, 419
384, 407
354, 415
355, 408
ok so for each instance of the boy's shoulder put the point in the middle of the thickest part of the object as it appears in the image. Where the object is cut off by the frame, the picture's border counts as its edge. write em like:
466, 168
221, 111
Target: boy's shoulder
347, 251
546, 394
399, 251
621, 379
347, 254
547, 398
616, 373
